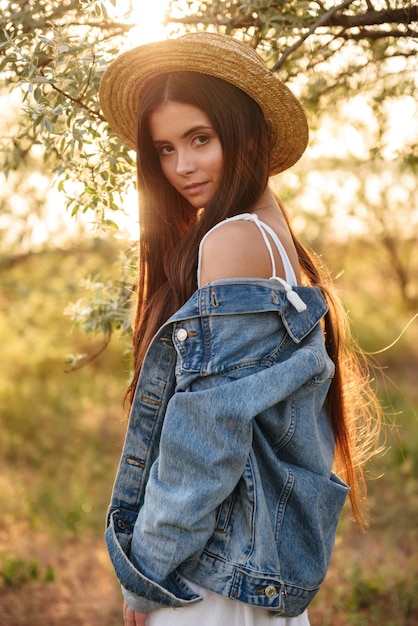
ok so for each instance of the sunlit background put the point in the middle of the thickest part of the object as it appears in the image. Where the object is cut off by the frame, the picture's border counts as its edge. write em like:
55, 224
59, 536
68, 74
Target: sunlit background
150, 21
331, 140
149, 16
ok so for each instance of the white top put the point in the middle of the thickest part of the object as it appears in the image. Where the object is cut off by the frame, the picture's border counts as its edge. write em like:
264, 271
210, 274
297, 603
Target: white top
217, 610
264, 228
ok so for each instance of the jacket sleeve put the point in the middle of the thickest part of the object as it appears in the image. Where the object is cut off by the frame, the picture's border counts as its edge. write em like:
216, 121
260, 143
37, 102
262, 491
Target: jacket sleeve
205, 442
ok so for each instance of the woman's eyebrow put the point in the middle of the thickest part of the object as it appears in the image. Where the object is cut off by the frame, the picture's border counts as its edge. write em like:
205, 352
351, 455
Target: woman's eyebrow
195, 129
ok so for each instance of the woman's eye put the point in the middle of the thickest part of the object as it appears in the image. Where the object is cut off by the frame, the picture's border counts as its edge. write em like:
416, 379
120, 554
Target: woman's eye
164, 150
200, 140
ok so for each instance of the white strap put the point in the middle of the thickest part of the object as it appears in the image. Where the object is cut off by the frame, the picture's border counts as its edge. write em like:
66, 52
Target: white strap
287, 266
290, 281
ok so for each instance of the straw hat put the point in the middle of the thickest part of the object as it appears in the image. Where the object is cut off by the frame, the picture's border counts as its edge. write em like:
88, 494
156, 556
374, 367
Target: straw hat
216, 55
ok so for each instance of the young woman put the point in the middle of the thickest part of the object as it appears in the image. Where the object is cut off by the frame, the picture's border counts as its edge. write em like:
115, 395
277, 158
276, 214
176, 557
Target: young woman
245, 396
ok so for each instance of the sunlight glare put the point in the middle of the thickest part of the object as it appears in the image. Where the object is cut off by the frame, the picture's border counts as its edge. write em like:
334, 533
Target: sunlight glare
149, 17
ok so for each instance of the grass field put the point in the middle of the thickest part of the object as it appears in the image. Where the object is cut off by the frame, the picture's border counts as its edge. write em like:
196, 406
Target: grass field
60, 443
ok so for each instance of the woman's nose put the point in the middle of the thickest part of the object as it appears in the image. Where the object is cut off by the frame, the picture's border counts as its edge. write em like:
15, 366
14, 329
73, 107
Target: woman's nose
186, 164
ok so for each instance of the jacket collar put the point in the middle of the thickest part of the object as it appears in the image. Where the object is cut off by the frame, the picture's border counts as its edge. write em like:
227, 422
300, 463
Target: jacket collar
242, 296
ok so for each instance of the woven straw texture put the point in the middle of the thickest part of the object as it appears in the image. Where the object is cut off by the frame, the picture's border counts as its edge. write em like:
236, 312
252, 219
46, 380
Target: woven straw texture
216, 55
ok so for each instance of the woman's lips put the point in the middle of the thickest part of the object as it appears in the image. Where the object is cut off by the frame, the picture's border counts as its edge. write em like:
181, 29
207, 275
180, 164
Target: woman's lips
195, 188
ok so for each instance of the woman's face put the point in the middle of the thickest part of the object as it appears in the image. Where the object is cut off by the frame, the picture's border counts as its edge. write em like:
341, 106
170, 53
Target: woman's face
189, 150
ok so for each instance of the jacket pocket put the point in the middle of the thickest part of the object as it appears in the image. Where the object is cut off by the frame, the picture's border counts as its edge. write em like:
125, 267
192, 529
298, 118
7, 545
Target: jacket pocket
307, 526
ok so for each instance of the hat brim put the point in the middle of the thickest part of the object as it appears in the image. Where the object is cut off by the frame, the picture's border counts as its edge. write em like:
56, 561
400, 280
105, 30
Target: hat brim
217, 55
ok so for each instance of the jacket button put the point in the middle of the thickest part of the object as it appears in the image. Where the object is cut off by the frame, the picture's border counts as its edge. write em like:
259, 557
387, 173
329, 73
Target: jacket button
181, 334
270, 591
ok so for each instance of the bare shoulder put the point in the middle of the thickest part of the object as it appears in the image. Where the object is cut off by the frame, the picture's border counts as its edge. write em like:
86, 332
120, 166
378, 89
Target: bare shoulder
234, 250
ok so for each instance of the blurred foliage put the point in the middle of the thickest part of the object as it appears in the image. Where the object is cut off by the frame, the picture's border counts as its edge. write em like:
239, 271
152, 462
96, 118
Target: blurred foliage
58, 429
16, 572
55, 52
107, 310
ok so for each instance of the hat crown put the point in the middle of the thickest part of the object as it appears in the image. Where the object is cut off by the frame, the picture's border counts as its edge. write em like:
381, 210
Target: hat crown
223, 44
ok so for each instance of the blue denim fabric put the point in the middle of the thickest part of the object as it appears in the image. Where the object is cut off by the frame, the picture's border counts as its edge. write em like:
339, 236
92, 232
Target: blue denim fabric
225, 476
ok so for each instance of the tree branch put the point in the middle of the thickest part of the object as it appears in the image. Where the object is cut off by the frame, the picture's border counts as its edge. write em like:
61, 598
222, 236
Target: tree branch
322, 20
89, 358
77, 101
373, 18
333, 17
366, 33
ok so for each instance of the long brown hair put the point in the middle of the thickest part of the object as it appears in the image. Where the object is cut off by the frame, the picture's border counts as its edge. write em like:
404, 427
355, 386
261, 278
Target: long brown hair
171, 230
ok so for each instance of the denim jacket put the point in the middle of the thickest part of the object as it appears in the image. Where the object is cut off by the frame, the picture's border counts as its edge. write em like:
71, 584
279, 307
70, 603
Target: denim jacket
225, 477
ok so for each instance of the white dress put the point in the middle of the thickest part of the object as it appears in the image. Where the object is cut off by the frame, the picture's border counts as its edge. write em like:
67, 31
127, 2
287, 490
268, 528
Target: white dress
214, 609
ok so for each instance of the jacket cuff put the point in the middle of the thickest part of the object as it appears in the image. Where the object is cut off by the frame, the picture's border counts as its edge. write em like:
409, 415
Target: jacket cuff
139, 604
141, 593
